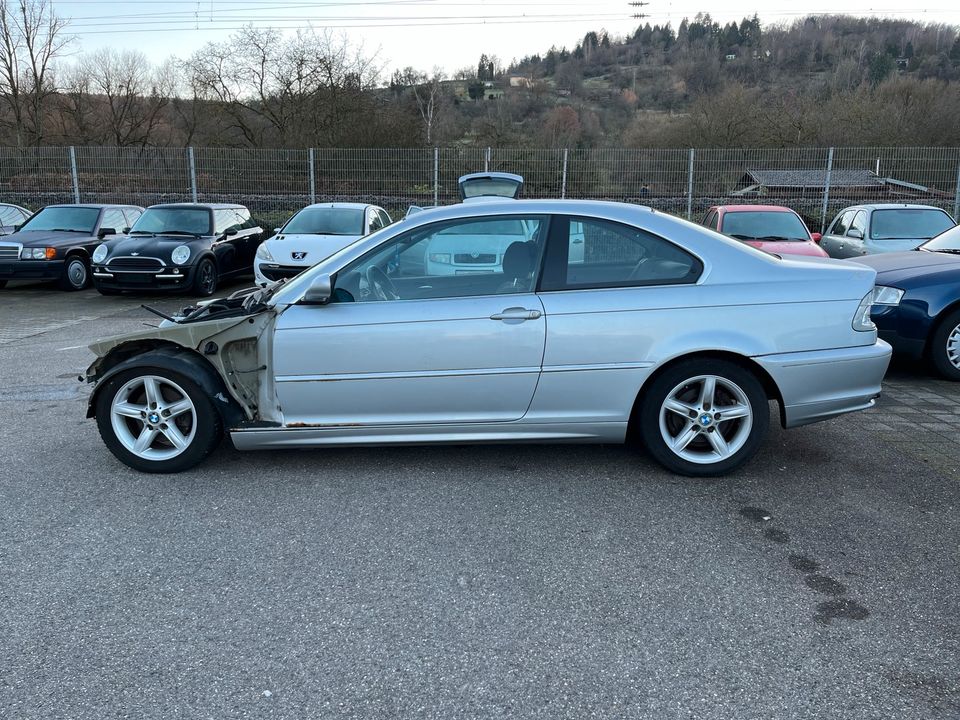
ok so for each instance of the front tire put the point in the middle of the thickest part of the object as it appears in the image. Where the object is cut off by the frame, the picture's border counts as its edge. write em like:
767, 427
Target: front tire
704, 417
205, 278
945, 347
76, 274
156, 420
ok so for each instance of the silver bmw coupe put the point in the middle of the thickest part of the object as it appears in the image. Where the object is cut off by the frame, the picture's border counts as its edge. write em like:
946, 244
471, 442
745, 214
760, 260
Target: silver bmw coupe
505, 321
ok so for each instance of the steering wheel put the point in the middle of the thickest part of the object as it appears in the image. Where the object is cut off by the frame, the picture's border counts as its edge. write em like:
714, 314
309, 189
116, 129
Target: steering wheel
381, 285
636, 268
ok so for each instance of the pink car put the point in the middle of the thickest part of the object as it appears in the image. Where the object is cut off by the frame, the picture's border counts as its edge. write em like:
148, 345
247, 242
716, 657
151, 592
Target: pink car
773, 228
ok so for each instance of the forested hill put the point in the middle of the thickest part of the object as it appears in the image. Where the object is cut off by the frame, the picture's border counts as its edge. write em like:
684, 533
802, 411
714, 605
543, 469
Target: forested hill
820, 80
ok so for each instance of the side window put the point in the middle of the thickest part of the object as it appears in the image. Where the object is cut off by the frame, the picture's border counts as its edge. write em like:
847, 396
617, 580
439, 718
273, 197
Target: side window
859, 223
589, 253
113, 218
710, 220
224, 220
10, 216
842, 223
384, 218
132, 215
244, 218
459, 258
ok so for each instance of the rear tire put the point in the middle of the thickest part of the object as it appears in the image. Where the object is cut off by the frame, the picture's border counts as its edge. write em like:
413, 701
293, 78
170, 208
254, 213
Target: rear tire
76, 274
945, 347
156, 420
704, 417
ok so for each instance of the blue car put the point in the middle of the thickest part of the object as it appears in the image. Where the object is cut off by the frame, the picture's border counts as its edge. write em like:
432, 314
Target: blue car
916, 304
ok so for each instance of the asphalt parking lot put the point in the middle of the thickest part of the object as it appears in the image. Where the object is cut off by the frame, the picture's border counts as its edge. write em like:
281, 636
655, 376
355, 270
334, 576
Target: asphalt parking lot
541, 581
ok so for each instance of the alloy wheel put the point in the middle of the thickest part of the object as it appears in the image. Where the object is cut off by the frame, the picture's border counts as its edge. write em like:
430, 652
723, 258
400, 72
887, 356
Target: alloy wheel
706, 419
153, 418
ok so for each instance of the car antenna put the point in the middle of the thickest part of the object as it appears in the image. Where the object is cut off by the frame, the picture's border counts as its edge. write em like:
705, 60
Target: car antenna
160, 314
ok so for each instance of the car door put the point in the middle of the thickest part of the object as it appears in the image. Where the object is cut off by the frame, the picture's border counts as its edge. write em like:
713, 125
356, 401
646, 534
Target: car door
605, 308
442, 349
227, 244
834, 240
248, 238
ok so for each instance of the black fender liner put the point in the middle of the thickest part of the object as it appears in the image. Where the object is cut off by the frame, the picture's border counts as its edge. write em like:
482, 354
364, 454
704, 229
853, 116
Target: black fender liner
186, 362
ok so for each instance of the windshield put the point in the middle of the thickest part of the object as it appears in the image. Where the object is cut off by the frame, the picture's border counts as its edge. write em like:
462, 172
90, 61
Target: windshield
763, 225
909, 223
326, 221
78, 219
949, 241
159, 220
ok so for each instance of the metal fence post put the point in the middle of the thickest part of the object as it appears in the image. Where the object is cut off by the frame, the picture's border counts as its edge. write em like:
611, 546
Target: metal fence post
690, 185
313, 182
193, 174
486, 160
74, 176
956, 197
436, 176
826, 192
563, 178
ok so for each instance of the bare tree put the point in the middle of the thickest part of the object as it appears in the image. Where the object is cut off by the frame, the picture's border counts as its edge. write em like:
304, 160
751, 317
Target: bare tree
32, 35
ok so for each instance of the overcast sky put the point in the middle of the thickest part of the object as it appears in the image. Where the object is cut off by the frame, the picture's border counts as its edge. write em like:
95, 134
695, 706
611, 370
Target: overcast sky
426, 33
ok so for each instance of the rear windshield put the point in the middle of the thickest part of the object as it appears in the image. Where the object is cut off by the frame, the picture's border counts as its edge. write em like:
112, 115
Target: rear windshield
77, 219
326, 221
909, 223
764, 225
163, 220
489, 187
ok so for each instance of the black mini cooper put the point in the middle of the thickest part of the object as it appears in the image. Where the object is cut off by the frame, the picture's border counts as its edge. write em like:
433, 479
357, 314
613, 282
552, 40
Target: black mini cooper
55, 243
185, 247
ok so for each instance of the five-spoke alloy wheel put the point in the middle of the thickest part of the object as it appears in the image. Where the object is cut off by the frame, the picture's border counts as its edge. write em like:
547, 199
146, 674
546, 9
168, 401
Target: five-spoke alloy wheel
156, 420
945, 346
704, 417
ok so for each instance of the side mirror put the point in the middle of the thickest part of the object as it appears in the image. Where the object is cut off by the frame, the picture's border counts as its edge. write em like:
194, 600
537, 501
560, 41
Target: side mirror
319, 292
854, 233
816, 237
230, 232
16, 228
276, 230
125, 230
103, 232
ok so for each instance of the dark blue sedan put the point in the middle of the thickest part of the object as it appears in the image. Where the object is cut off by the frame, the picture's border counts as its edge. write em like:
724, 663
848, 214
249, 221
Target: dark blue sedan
917, 301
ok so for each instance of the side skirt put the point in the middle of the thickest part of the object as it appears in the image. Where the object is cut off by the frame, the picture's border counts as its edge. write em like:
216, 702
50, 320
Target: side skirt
345, 436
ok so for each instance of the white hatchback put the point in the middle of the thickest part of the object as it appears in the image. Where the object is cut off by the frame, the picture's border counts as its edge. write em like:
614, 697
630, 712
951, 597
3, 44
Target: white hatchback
315, 233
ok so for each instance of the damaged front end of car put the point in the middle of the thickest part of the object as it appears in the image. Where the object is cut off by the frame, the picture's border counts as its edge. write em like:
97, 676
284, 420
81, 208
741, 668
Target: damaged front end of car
216, 343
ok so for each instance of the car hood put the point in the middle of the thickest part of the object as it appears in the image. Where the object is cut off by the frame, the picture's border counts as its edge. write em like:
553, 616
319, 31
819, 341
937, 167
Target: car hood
792, 247
316, 247
893, 268
46, 238
148, 246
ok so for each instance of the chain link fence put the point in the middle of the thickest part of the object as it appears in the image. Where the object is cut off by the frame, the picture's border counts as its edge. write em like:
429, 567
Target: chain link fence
816, 182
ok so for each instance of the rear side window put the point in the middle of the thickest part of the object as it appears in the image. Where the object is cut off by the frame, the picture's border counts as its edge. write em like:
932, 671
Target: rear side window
589, 253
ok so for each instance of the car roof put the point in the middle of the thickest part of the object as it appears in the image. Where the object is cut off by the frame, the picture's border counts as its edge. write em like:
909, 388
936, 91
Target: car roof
207, 206
757, 208
589, 208
892, 206
344, 206
95, 206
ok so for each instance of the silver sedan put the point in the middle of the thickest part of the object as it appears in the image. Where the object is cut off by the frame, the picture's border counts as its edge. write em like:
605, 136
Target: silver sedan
595, 322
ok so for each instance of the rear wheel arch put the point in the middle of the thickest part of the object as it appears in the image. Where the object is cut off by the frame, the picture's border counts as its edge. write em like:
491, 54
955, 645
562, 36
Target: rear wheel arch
768, 383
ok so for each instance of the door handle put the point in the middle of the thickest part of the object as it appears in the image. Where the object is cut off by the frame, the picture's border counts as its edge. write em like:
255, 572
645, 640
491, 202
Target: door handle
516, 313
